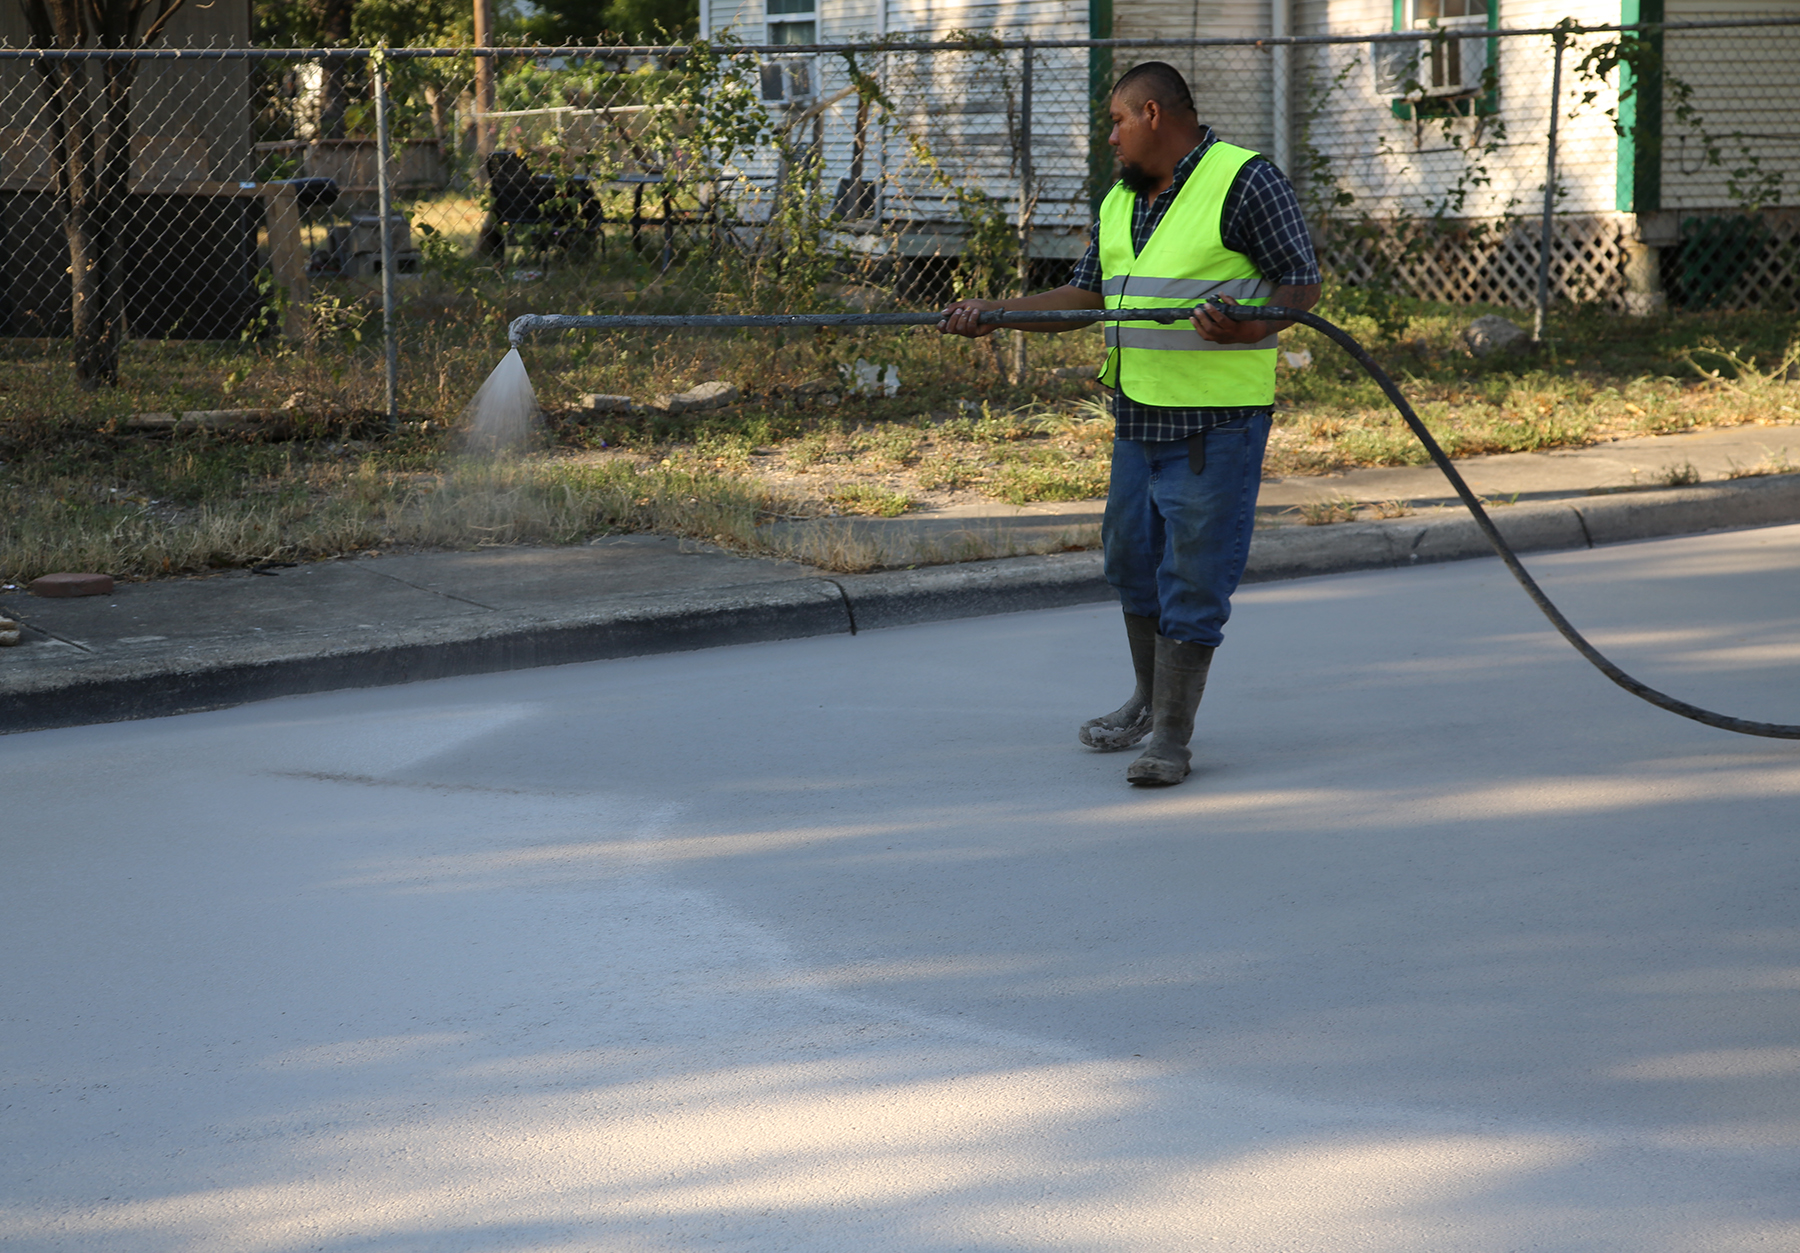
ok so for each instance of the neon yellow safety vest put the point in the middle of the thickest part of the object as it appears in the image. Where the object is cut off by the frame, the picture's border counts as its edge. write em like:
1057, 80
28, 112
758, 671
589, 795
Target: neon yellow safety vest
1184, 261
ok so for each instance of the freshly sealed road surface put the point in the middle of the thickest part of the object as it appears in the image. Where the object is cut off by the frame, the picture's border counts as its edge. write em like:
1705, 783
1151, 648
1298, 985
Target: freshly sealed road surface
844, 944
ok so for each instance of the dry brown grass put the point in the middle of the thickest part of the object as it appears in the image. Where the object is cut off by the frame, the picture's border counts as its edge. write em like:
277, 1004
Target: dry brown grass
358, 505
78, 492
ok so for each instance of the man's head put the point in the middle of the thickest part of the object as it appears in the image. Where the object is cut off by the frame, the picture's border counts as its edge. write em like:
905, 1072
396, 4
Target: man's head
1154, 124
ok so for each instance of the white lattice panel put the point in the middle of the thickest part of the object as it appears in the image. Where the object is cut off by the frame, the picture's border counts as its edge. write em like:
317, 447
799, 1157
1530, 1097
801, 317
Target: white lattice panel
1746, 265
1484, 262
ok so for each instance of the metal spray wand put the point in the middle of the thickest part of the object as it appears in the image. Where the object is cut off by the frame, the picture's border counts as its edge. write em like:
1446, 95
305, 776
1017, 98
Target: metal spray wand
531, 323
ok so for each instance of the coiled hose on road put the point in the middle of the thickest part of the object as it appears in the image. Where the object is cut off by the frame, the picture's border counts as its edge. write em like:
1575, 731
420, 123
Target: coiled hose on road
1242, 313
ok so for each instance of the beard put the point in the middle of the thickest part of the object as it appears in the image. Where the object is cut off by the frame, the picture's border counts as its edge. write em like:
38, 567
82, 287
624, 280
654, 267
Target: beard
1135, 177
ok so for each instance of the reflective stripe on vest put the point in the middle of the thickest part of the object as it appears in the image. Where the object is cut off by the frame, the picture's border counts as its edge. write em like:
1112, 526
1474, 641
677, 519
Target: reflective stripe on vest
1184, 261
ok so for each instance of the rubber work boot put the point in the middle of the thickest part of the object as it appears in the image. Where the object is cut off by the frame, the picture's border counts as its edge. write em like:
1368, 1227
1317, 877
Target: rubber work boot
1130, 722
1180, 679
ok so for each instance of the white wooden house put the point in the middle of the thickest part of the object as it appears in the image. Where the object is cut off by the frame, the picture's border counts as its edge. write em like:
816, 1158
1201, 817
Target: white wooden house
1397, 128
966, 107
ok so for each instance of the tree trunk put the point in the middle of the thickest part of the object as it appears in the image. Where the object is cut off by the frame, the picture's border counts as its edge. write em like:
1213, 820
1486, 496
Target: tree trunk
72, 130
334, 92
111, 215
95, 366
90, 193
90, 129
490, 241
440, 128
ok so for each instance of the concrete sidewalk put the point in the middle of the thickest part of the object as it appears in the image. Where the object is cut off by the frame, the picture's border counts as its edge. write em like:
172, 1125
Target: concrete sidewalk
1624, 465
186, 644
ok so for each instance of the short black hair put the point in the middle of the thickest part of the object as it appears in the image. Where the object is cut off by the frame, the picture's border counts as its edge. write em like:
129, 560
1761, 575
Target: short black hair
1158, 81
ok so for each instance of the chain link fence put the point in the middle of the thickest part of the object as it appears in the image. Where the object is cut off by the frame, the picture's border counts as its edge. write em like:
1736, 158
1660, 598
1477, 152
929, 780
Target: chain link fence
235, 197
1668, 153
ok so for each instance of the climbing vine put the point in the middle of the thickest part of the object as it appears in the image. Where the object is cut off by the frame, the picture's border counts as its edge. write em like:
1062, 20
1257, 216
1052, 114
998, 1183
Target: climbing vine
1750, 186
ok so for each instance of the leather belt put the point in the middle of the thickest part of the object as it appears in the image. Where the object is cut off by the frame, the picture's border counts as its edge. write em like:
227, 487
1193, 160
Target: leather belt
1197, 453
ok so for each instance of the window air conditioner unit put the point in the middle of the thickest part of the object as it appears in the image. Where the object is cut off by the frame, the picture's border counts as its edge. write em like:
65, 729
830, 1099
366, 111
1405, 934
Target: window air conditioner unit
790, 80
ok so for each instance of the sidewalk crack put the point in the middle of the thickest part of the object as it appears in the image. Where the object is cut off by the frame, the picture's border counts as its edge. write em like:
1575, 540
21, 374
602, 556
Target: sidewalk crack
26, 625
432, 591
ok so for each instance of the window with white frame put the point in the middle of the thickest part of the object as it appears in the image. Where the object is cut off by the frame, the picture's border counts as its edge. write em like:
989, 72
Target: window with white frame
1453, 65
793, 21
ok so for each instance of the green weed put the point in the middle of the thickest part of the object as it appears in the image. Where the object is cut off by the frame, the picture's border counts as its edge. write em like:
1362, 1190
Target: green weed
1064, 480
864, 498
1772, 462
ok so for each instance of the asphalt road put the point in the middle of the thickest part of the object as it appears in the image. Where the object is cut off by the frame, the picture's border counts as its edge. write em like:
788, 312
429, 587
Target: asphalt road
844, 944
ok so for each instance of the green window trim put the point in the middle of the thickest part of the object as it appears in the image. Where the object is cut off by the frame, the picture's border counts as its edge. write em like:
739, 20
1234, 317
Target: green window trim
1637, 180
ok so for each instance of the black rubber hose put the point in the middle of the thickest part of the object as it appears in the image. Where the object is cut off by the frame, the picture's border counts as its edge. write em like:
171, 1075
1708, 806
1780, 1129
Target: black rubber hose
532, 322
1343, 339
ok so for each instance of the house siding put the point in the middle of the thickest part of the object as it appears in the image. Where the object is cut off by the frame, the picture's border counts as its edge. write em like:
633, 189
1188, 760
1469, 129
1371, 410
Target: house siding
1398, 168
1743, 82
1402, 168
1232, 86
963, 107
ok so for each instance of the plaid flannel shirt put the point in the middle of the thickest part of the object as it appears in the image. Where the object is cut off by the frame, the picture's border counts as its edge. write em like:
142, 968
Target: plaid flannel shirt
1261, 218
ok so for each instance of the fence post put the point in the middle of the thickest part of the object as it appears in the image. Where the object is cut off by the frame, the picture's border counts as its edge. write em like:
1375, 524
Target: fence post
1020, 362
1100, 78
1543, 282
385, 200
287, 253
1280, 88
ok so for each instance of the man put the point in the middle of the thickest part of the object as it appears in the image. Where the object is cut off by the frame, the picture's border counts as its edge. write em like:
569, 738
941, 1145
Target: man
1190, 218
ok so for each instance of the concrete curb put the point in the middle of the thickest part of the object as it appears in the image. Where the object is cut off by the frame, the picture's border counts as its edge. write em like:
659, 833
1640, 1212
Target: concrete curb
972, 589
813, 606
666, 623
1579, 522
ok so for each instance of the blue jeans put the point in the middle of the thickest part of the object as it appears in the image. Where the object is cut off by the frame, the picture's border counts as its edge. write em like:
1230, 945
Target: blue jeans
1176, 543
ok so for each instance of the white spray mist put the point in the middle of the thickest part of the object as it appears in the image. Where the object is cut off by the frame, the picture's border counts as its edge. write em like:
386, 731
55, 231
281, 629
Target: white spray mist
501, 417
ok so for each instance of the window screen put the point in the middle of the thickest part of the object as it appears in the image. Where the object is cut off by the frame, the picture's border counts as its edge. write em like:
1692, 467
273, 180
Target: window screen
793, 21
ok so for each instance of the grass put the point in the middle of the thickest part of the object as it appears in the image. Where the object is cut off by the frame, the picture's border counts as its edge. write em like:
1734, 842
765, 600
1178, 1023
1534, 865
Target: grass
1072, 479
1326, 512
1773, 461
1603, 376
80, 490
864, 498
177, 519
